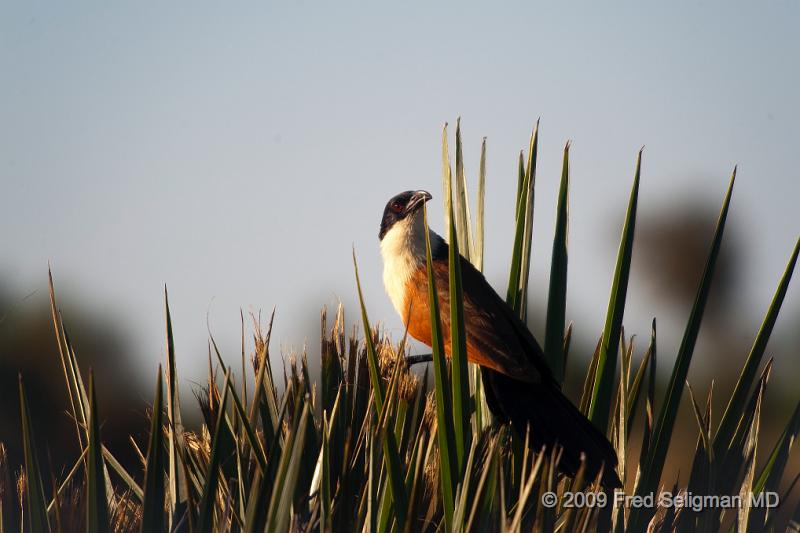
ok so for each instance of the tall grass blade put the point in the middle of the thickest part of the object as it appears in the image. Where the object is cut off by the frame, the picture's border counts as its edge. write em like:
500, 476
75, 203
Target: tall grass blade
527, 239
483, 416
479, 215
256, 511
248, 429
263, 486
458, 352
623, 413
264, 397
446, 434
520, 182
331, 372
394, 492
372, 358
413, 478
447, 177
59, 523
483, 501
324, 494
728, 474
650, 399
461, 201
703, 422
176, 475
733, 411
205, 514
36, 509
96, 500
520, 255
657, 452
371, 523
391, 455
66, 366
464, 489
115, 465
750, 450
283, 493
588, 380
771, 473
700, 476
634, 393
770, 476
557, 297
153, 504
82, 398
609, 348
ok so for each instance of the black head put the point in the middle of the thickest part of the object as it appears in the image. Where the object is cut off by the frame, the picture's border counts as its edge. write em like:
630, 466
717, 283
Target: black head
401, 206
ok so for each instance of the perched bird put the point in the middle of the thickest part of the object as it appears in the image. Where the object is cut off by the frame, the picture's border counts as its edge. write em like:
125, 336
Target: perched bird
519, 385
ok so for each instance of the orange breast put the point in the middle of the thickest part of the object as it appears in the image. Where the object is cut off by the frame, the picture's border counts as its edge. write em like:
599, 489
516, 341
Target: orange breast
417, 319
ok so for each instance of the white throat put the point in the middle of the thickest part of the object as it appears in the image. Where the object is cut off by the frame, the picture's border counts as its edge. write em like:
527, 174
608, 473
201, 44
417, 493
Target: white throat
403, 251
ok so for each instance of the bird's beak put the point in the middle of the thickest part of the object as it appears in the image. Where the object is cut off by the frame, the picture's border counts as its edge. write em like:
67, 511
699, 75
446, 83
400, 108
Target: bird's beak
417, 200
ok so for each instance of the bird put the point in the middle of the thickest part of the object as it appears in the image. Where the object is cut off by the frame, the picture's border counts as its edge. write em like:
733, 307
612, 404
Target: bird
519, 386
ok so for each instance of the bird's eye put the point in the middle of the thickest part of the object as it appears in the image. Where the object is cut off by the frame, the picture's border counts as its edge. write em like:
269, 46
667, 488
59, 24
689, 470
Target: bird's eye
397, 207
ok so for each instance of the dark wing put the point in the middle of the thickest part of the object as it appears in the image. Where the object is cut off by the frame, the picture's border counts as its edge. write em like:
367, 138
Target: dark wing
519, 385
496, 337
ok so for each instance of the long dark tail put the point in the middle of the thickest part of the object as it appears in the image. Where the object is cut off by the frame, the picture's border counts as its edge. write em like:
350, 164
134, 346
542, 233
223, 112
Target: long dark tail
553, 419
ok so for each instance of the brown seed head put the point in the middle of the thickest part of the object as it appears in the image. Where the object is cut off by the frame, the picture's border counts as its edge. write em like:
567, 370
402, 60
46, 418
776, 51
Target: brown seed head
429, 415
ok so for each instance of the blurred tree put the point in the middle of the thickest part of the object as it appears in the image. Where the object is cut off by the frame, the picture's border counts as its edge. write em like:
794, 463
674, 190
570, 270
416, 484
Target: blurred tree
674, 246
28, 346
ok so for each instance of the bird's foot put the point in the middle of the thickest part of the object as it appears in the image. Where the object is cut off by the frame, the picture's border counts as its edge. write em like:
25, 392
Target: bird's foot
414, 359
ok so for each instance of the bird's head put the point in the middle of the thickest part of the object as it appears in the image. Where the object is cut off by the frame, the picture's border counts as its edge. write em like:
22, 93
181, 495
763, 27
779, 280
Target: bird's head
403, 209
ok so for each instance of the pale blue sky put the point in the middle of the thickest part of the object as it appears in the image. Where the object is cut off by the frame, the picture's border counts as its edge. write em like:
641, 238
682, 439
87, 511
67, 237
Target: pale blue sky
237, 153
